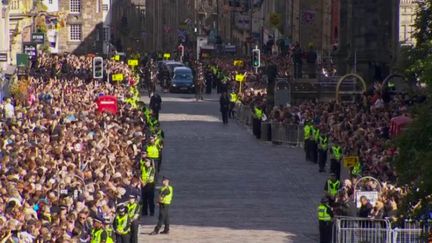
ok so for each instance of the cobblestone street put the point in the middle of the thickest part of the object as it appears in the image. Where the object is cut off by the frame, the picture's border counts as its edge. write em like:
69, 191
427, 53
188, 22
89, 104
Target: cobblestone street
228, 186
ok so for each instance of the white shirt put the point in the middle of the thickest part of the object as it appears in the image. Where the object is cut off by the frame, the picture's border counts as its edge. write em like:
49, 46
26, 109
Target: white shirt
9, 110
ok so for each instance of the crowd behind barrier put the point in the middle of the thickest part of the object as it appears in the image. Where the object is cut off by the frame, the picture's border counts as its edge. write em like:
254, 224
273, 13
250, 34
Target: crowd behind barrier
65, 166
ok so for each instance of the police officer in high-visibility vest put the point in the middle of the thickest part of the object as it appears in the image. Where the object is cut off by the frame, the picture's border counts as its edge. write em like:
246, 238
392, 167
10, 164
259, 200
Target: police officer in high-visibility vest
165, 198
233, 100
109, 229
153, 153
133, 209
98, 233
332, 187
307, 132
335, 160
122, 225
357, 169
147, 187
322, 151
325, 215
314, 144
256, 122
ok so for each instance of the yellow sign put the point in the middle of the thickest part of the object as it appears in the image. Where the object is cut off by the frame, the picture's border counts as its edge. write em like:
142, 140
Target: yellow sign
167, 56
133, 62
238, 63
240, 77
116, 58
350, 161
117, 77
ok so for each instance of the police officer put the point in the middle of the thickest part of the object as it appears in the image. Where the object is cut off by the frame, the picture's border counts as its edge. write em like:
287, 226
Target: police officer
322, 151
233, 100
332, 186
147, 187
307, 129
133, 209
109, 229
325, 215
98, 233
153, 153
314, 144
122, 225
335, 160
165, 198
257, 117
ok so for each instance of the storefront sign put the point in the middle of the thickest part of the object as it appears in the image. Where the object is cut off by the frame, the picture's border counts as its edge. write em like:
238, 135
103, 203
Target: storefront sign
3, 57
31, 50
38, 38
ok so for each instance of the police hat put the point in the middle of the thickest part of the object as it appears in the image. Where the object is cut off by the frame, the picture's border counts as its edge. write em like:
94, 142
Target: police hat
107, 220
97, 219
165, 178
132, 195
121, 208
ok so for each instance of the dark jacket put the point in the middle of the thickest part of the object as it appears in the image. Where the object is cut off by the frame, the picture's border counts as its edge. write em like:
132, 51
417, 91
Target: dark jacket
224, 103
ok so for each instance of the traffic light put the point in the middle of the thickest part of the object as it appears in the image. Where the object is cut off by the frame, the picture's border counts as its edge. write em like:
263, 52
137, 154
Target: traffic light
98, 67
256, 58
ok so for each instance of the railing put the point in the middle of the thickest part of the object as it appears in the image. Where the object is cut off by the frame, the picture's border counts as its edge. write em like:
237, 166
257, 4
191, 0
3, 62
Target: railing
280, 133
359, 230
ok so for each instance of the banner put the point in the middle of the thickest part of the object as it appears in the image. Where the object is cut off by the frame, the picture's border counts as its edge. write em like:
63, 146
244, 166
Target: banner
107, 103
372, 196
133, 62
238, 63
117, 77
240, 77
350, 161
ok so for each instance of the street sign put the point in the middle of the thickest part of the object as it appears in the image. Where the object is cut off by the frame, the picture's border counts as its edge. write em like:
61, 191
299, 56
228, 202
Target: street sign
3, 57
38, 38
133, 62
350, 161
22, 59
117, 77
30, 49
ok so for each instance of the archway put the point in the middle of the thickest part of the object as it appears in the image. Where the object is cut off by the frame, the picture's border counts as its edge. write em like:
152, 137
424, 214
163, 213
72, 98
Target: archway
401, 84
345, 77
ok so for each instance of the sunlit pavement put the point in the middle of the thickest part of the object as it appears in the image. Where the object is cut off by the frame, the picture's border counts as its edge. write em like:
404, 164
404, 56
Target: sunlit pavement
228, 186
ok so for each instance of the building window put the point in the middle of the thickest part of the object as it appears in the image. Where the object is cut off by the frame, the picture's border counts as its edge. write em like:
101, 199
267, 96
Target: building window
106, 33
105, 7
75, 32
75, 6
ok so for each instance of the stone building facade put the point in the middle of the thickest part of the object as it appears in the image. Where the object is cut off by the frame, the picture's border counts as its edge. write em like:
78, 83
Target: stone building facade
407, 10
368, 37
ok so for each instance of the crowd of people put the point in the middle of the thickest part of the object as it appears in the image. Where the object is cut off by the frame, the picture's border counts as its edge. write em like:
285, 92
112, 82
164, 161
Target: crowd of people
70, 173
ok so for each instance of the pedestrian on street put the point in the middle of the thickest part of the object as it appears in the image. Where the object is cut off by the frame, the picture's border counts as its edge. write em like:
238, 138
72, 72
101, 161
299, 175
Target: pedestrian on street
322, 151
335, 160
325, 215
155, 105
147, 187
314, 144
307, 139
165, 198
200, 84
153, 153
134, 209
122, 225
99, 234
224, 102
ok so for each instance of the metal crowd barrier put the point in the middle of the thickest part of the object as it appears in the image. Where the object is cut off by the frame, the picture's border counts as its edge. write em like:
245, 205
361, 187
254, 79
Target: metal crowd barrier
358, 230
412, 232
290, 134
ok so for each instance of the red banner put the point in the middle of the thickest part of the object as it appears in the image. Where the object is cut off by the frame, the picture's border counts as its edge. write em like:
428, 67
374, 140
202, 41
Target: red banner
107, 103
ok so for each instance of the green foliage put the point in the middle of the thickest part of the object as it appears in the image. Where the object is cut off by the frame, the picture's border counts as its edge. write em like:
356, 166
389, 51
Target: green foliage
414, 162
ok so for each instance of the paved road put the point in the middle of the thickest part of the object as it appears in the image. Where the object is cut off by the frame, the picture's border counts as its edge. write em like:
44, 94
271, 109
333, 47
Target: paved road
230, 187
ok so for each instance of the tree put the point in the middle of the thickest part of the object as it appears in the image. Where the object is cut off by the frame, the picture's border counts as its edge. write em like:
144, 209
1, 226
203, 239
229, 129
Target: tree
414, 161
